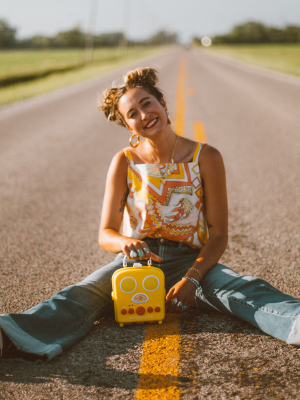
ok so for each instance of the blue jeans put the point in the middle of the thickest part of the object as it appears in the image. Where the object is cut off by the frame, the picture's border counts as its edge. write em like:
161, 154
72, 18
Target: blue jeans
56, 324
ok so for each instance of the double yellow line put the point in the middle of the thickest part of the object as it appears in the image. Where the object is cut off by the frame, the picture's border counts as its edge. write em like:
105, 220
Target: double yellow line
160, 363
179, 126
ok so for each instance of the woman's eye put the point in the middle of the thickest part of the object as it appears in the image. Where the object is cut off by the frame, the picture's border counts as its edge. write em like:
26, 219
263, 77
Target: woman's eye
132, 115
147, 103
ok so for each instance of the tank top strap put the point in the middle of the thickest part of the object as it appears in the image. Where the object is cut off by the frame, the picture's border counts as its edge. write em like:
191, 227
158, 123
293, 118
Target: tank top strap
197, 152
128, 156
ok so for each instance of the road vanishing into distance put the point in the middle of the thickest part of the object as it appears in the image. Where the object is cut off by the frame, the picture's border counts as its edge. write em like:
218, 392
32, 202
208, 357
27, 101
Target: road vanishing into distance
55, 151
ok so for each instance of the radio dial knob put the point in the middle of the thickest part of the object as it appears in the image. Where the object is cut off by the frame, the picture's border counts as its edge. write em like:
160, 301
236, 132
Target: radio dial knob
140, 310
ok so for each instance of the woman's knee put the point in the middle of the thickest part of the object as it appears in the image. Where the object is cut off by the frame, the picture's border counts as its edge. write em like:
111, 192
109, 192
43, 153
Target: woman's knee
218, 277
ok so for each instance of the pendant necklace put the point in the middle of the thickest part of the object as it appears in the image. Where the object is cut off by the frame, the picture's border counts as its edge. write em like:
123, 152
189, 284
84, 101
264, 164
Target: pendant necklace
170, 165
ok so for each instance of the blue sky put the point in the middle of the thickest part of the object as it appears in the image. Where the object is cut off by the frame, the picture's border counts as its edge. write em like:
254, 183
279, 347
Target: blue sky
141, 18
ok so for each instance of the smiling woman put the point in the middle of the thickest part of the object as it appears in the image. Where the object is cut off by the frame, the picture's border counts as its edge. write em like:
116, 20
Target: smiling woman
143, 77
168, 195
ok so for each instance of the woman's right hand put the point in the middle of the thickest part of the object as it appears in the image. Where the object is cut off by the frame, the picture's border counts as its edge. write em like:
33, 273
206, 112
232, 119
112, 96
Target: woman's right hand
140, 248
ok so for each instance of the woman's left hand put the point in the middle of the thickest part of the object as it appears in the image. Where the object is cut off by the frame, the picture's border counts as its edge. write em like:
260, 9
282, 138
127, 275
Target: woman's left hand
180, 296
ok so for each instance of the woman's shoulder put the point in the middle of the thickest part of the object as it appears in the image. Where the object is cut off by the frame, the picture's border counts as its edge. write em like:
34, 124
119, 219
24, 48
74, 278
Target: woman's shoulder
119, 161
210, 158
208, 151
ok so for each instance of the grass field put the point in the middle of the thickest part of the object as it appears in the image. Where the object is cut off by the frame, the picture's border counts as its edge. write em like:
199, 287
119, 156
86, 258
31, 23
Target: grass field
21, 62
18, 63
279, 57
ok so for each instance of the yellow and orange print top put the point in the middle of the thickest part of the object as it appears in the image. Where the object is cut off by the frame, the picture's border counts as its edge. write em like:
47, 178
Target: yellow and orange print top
172, 208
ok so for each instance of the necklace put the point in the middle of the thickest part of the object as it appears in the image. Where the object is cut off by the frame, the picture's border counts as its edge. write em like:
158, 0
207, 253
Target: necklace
170, 165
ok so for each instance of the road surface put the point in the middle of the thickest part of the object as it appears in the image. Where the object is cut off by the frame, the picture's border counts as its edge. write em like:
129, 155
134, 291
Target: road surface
54, 154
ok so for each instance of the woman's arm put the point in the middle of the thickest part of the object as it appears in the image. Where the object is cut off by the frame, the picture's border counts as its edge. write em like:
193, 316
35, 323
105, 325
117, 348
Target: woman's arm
215, 197
114, 201
216, 206
116, 192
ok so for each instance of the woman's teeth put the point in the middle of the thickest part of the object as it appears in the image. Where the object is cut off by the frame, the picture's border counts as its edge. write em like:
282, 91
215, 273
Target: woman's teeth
150, 124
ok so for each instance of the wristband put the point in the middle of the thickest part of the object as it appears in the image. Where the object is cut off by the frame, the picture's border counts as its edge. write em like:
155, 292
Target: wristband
197, 272
195, 282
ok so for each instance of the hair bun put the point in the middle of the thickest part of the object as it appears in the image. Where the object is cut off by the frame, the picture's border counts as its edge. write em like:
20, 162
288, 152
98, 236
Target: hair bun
107, 103
144, 77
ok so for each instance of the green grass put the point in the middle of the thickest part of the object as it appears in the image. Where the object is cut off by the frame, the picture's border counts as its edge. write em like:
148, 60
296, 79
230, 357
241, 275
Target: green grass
279, 57
16, 63
22, 62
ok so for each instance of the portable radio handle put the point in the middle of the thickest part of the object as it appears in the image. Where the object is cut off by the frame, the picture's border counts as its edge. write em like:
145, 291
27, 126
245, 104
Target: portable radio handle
125, 263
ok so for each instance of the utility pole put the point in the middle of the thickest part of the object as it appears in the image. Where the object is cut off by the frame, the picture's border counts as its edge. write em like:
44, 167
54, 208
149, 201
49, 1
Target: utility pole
89, 39
126, 26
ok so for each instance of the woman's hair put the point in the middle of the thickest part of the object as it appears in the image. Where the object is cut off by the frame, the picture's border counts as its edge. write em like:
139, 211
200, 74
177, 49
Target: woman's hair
144, 78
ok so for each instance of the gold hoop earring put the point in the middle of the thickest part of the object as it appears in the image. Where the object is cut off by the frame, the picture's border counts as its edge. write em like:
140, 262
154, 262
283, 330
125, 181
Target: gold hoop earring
138, 140
168, 118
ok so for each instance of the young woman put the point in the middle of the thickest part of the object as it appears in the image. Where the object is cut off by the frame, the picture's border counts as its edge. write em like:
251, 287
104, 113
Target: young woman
168, 194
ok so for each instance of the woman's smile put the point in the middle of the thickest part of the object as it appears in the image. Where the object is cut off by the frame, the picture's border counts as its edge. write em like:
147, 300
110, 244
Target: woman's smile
142, 112
151, 123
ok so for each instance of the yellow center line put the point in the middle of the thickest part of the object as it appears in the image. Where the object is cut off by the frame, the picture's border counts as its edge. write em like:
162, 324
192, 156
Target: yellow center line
179, 115
160, 361
199, 132
159, 370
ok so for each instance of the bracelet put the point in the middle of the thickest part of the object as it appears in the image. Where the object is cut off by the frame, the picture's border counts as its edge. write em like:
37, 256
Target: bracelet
197, 272
195, 282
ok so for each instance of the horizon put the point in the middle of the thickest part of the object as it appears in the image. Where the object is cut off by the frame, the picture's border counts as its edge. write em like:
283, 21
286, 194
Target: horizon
138, 20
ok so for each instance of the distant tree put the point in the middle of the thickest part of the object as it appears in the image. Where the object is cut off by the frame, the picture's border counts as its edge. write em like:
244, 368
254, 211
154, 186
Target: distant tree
162, 37
250, 32
195, 41
256, 32
75, 38
39, 41
275, 35
109, 39
7, 35
292, 34
72, 38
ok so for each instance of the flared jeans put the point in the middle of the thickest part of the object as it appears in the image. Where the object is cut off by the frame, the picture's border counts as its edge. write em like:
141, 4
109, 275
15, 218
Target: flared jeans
52, 326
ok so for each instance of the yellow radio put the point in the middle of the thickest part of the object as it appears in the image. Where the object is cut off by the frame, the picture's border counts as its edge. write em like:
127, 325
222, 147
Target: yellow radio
138, 294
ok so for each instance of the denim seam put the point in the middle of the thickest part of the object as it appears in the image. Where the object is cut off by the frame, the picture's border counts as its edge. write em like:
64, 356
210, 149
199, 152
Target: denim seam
266, 310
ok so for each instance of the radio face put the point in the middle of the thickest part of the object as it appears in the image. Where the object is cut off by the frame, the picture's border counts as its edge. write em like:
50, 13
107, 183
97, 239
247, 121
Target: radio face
139, 294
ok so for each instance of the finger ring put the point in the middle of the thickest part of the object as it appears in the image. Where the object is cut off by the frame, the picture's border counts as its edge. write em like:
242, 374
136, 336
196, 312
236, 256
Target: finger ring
133, 254
175, 301
180, 304
140, 253
146, 250
184, 308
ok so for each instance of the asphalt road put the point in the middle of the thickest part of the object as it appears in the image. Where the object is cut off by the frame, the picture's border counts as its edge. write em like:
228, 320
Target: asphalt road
54, 154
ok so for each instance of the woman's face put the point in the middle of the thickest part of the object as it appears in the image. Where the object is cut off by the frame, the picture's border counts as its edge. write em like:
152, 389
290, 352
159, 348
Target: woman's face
142, 112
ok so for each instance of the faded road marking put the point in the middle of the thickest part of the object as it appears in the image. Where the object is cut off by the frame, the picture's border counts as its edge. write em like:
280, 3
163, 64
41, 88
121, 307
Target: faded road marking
160, 361
199, 133
179, 114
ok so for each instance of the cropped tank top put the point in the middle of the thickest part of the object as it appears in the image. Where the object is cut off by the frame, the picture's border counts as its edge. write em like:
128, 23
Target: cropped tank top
170, 206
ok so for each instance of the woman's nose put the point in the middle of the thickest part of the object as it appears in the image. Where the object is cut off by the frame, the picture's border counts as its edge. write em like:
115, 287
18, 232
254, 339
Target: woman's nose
144, 115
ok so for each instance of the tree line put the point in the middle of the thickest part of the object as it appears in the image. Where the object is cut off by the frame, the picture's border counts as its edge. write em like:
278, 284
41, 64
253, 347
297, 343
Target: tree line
76, 38
256, 32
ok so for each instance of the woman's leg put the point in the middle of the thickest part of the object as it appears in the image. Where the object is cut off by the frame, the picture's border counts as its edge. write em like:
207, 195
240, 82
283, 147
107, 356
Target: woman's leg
56, 324
243, 296
252, 300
